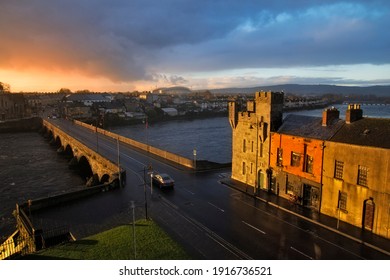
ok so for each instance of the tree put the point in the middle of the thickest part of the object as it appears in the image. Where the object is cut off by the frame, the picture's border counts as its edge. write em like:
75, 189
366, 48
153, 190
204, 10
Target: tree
5, 87
65, 91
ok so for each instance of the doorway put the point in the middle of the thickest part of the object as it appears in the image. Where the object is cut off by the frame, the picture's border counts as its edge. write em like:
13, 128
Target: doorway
368, 214
311, 196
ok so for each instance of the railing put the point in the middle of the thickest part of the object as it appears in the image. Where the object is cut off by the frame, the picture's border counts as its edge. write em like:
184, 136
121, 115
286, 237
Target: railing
16, 245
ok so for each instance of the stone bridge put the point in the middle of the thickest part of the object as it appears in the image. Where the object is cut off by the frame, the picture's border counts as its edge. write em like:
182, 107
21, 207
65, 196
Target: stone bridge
95, 168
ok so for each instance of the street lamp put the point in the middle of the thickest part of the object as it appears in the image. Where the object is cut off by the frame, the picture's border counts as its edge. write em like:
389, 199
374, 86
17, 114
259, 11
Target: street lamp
134, 243
119, 166
194, 153
146, 201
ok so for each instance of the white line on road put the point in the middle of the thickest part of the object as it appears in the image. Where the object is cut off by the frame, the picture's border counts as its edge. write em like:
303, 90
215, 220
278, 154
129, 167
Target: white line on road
255, 228
189, 191
296, 250
220, 209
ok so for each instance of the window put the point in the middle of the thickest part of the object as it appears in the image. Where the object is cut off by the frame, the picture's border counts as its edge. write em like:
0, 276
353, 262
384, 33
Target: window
362, 176
295, 159
251, 167
279, 159
243, 168
309, 164
244, 145
338, 169
342, 203
261, 149
252, 146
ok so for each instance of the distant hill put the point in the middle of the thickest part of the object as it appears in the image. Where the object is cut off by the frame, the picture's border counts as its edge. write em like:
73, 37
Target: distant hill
311, 90
172, 90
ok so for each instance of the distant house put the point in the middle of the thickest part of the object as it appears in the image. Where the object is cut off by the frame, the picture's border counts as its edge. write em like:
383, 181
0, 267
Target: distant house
172, 112
78, 111
12, 106
88, 99
113, 108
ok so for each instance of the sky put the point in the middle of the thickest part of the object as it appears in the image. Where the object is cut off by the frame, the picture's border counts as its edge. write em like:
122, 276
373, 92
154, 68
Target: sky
122, 45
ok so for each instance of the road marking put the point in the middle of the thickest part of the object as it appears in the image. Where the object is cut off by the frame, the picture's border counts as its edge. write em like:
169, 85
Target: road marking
255, 228
166, 201
189, 191
220, 209
303, 254
125, 155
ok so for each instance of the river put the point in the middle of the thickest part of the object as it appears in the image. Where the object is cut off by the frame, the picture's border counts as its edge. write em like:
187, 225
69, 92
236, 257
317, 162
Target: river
30, 168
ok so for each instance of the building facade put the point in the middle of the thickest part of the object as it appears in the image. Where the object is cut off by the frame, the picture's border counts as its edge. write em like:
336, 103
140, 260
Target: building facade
251, 131
340, 168
12, 106
297, 156
356, 178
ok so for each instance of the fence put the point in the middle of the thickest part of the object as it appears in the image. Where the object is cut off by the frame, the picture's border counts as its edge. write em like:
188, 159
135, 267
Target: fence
27, 239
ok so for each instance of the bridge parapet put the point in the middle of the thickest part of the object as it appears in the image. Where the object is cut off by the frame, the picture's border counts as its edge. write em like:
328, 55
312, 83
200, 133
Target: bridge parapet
104, 169
172, 157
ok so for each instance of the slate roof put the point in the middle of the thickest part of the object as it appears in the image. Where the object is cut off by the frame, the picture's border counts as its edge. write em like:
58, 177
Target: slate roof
87, 97
309, 127
373, 132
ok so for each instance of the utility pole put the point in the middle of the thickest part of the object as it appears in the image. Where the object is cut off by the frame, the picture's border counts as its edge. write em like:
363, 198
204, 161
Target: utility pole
194, 153
146, 201
134, 242
119, 166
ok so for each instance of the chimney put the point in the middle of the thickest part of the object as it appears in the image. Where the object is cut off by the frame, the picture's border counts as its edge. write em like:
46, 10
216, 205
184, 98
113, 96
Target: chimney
329, 115
354, 113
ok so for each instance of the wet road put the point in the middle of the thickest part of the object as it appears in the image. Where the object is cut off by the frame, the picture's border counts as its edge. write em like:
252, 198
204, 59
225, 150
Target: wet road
211, 220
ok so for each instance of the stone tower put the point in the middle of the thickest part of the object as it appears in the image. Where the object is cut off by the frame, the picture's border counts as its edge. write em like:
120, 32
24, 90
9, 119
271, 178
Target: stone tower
251, 138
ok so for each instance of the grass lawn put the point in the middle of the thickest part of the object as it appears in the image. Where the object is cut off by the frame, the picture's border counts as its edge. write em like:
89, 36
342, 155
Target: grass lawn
152, 243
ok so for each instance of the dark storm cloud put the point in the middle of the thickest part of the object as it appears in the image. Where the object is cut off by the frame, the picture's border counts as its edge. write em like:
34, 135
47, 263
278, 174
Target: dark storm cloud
138, 40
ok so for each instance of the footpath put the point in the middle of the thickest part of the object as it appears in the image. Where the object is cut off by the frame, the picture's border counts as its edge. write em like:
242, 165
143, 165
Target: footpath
365, 237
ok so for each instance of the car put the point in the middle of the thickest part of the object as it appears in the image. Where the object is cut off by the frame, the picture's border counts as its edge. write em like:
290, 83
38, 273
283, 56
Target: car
162, 180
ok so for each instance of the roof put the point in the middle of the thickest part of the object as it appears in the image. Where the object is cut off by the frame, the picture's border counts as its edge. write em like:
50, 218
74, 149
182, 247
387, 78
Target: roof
373, 132
309, 127
87, 97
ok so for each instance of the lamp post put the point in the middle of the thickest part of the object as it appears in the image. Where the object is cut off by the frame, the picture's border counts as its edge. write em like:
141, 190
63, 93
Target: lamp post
194, 153
151, 183
146, 201
97, 137
134, 243
119, 166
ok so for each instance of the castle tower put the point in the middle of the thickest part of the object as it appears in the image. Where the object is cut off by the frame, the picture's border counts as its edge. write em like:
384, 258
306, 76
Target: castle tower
251, 138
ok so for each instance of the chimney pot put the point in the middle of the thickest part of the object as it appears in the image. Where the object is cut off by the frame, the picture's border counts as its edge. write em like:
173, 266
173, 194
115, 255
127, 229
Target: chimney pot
329, 115
354, 113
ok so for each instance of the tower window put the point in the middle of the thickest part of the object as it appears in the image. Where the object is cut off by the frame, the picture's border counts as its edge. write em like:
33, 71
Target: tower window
261, 149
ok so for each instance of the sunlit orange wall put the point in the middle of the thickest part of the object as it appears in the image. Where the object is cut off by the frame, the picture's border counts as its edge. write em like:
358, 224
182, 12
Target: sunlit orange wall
296, 144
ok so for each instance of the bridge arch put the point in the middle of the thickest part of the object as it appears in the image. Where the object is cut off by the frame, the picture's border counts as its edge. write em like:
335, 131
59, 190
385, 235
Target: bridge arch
105, 179
85, 168
68, 151
58, 142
